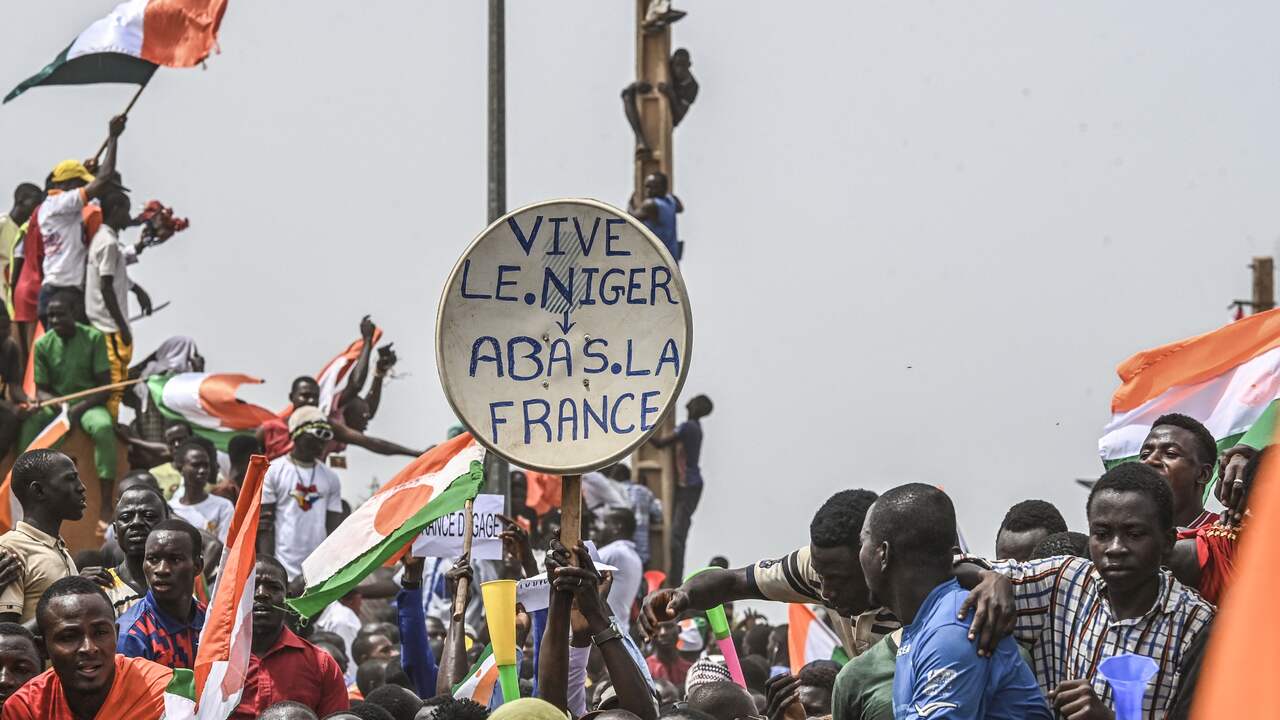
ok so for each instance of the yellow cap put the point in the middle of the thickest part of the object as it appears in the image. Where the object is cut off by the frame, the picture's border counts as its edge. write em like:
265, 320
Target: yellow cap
71, 170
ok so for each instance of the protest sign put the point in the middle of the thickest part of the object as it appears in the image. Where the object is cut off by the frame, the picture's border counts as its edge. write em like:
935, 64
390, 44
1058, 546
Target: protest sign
444, 537
563, 335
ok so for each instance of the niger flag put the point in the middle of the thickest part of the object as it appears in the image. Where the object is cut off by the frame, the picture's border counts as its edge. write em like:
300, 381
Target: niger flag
134, 39
1239, 673
436, 484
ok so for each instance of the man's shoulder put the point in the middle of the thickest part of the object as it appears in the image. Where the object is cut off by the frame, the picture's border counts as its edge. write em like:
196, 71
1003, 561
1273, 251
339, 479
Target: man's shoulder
141, 671
88, 332
1182, 599
34, 693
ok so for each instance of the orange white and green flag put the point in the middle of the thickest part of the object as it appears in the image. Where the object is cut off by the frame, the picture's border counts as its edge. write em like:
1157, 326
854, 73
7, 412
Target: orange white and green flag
809, 639
481, 681
1228, 379
208, 403
131, 41
437, 483
213, 688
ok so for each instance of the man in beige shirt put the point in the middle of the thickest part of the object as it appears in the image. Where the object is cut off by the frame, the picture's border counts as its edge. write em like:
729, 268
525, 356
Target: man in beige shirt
50, 491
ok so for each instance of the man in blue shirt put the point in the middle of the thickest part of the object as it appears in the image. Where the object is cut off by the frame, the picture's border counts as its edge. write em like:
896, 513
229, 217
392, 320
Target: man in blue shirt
906, 556
164, 627
689, 477
658, 212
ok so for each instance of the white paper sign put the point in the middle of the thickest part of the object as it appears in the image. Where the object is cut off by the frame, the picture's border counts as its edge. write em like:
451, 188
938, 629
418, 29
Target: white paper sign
563, 335
443, 538
535, 593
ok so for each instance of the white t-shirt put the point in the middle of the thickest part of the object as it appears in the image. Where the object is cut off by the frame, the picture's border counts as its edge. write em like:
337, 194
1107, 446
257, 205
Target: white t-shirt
105, 259
302, 496
214, 514
626, 579
340, 619
62, 232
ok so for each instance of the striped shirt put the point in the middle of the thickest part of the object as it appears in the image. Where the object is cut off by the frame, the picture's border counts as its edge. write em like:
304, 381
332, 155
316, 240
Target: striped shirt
792, 579
1066, 620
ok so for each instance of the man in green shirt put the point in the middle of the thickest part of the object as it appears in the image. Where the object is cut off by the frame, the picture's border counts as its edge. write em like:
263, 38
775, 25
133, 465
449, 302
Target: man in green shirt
864, 687
70, 359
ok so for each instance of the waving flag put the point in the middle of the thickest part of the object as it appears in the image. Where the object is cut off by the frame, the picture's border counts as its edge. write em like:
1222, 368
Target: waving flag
481, 681
213, 690
335, 375
208, 403
1228, 379
437, 483
809, 639
10, 510
134, 39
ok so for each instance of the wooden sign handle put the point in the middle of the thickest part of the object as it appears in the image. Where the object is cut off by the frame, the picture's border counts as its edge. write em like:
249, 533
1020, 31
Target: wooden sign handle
571, 514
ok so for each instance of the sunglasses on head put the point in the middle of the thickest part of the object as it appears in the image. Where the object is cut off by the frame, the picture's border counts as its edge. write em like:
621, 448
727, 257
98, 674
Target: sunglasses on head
317, 431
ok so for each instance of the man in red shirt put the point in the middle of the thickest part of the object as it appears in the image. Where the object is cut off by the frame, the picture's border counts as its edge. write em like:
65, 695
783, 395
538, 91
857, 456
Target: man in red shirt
666, 663
284, 666
88, 678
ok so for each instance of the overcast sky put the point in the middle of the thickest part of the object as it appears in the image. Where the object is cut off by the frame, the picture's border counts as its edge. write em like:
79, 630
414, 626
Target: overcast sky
920, 236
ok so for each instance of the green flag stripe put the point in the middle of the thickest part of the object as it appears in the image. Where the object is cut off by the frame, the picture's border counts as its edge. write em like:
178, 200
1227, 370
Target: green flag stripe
182, 684
88, 69
452, 499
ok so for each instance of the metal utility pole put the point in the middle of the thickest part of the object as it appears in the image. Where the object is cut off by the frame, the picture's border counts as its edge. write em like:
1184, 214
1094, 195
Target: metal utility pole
497, 472
497, 109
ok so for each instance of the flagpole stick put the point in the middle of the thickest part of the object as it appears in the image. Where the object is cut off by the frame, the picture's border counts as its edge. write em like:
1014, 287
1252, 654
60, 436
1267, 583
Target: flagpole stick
460, 597
571, 514
86, 393
127, 108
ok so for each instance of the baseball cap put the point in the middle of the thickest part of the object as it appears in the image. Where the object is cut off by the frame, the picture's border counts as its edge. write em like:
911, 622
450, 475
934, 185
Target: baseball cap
71, 170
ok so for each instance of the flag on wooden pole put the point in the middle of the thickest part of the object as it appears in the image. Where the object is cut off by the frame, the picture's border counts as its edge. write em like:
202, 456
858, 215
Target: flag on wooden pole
135, 38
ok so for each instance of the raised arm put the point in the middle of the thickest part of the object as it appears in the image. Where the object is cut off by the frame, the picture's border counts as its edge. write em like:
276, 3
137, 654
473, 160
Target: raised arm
415, 649
553, 656
360, 371
583, 583
345, 434
453, 660
703, 591
102, 180
386, 360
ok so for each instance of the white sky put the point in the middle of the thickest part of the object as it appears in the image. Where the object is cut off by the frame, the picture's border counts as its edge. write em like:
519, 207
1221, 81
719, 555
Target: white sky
920, 235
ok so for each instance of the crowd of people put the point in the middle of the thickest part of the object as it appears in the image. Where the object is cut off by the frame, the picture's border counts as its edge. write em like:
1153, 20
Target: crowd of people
924, 629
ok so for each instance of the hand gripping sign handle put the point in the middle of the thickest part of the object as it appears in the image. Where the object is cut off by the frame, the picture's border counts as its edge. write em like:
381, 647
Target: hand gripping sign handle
460, 596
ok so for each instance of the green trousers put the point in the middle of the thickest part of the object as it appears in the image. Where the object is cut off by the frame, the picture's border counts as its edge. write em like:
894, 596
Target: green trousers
96, 422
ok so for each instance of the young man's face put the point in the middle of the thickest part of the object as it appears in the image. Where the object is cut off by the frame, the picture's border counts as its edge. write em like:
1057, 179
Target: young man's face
137, 512
1126, 542
170, 565
175, 435
64, 491
62, 318
196, 468
80, 637
19, 662
305, 394
1171, 451
268, 599
844, 587
870, 560
667, 635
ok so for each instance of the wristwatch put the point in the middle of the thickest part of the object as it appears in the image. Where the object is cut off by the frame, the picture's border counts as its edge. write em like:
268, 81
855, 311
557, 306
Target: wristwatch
610, 633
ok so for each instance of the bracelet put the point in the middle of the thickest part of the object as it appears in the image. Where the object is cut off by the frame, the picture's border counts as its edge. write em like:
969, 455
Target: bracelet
410, 585
610, 633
